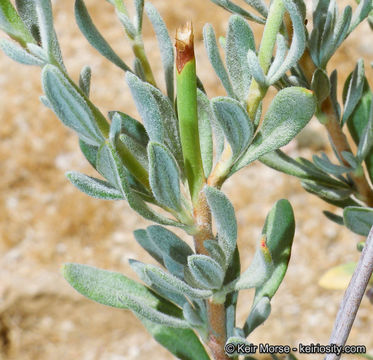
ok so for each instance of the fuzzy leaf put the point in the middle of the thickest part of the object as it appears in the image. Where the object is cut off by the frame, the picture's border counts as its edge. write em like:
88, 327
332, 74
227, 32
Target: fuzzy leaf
174, 284
206, 271
355, 91
110, 163
174, 251
358, 219
166, 47
96, 188
157, 114
289, 112
70, 106
12, 24
240, 39
130, 29
278, 160
324, 164
279, 56
205, 132
164, 176
235, 122
93, 36
47, 33
215, 252
256, 70
89, 151
235, 9
85, 80
366, 139
215, 59
224, 217
139, 268
324, 192
259, 5
258, 314
27, 11
358, 124
132, 128
147, 243
279, 231
192, 316
19, 54
116, 290
298, 43
320, 85
260, 269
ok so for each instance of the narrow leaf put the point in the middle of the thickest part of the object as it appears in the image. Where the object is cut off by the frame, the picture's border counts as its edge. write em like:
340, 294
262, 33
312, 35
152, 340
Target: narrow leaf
27, 11
12, 24
298, 43
47, 33
256, 70
355, 90
85, 80
114, 289
18, 54
215, 59
70, 106
174, 284
164, 176
96, 188
93, 36
224, 217
338, 277
166, 47
205, 125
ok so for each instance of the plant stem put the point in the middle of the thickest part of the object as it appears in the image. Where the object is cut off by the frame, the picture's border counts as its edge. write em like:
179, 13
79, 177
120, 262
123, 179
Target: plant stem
139, 51
216, 312
352, 297
363, 190
187, 110
271, 29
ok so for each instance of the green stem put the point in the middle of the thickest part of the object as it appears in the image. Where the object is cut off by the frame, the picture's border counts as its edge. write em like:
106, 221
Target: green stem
139, 51
132, 164
271, 29
187, 111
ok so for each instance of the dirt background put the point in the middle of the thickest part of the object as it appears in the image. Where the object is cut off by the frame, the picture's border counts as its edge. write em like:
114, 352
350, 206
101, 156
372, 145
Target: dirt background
45, 222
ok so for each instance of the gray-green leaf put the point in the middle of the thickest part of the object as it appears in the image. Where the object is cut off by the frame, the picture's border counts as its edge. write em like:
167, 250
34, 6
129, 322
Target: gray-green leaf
164, 176
225, 219
206, 271
93, 36
96, 188
289, 112
358, 219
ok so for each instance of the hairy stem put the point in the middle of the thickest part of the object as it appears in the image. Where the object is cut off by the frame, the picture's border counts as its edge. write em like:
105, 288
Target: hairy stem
139, 51
216, 312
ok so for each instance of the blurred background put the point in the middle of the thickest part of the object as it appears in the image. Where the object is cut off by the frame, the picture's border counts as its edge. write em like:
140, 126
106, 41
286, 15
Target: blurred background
45, 221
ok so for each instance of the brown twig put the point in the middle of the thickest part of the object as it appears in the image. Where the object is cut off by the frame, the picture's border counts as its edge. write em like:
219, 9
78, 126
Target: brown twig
216, 312
352, 297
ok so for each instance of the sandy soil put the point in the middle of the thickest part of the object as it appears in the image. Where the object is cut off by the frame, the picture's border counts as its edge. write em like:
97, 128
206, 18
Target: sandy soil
45, 222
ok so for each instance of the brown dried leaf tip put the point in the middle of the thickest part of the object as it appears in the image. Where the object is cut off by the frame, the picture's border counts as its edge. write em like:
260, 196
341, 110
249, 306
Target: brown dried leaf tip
184, 45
